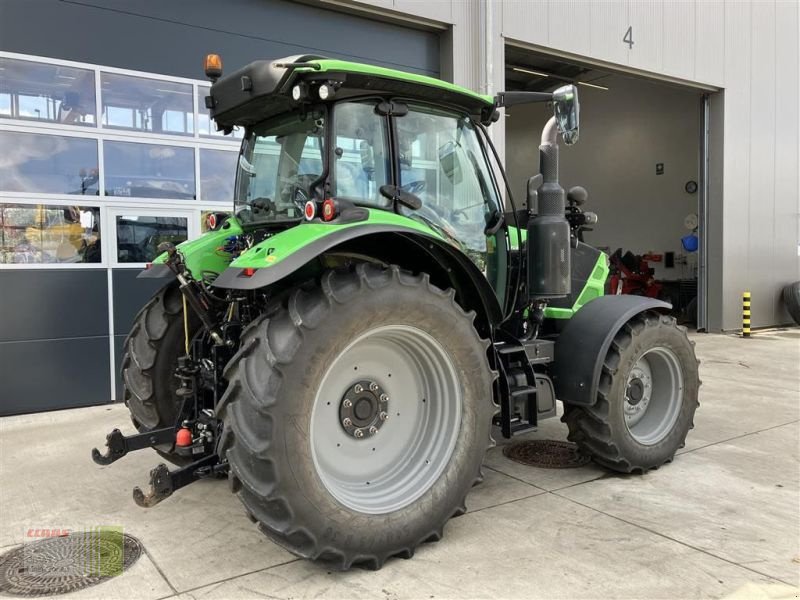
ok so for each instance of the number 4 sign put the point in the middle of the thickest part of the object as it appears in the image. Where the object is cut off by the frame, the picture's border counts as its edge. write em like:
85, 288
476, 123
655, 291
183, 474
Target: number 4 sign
628, 37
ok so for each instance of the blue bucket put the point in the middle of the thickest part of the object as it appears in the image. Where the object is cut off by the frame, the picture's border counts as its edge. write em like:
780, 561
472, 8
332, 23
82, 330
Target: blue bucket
690, 242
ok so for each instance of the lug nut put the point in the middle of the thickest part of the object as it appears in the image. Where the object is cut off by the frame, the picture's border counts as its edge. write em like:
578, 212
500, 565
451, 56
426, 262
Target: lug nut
358, 433
359, 388
373, 430
384, 416
373, 386
384, 398
347, 403
347, 422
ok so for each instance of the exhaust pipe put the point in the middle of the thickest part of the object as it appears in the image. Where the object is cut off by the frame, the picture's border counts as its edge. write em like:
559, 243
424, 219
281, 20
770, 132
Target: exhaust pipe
549, 266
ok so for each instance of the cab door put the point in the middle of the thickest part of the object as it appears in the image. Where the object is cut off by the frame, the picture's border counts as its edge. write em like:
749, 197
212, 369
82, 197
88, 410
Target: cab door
441, 159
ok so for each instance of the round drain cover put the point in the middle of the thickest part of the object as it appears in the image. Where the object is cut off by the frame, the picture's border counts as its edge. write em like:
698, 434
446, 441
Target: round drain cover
64, 564
550, 454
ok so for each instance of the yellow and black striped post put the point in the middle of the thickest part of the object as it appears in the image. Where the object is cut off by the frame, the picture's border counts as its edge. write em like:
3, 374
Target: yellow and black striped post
746, 314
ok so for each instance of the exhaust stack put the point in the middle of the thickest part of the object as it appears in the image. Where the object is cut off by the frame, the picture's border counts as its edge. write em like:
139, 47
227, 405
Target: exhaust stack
549, 266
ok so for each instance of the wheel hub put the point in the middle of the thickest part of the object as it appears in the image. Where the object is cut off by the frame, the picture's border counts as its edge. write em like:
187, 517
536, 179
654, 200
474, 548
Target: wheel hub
363, 409
637, 394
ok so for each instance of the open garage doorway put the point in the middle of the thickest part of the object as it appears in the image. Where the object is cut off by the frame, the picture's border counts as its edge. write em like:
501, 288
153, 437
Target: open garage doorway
640, 157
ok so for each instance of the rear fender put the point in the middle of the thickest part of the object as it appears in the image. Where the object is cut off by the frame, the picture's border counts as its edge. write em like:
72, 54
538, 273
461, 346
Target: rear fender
582, 346
382, 237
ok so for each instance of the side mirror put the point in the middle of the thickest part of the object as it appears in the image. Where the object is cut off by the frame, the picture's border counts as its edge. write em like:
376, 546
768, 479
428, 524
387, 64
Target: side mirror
450, 162
566, 110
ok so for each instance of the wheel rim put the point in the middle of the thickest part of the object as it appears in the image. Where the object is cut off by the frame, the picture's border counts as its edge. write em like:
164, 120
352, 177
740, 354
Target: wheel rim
653, 395
386, 469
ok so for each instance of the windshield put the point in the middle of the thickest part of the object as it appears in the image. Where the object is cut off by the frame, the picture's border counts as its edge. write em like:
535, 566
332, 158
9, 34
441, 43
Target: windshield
279, 162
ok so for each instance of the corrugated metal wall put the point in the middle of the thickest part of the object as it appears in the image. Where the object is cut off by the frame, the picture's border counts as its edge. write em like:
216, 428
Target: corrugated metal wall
748, 49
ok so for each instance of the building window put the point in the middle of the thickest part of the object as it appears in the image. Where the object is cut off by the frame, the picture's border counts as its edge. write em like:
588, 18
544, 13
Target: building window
44, 92
41, 233
147, 104
51, 164
148, 170
138, 236
217, 175
205, 126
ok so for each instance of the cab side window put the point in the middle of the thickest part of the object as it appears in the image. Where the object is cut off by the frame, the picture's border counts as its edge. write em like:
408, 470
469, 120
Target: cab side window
361, 154
442, 162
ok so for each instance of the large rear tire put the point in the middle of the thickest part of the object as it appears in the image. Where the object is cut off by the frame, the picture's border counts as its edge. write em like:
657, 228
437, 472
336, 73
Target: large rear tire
150, 356
357, 416
646, 399
791, 299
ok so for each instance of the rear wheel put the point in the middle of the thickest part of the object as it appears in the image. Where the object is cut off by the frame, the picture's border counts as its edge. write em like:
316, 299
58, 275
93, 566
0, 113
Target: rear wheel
150, 356
646, 399
791, 299
357, 416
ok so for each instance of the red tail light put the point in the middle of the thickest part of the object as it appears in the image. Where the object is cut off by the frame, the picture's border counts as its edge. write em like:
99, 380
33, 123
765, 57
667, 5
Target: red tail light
329, 209
310, 210
248, 271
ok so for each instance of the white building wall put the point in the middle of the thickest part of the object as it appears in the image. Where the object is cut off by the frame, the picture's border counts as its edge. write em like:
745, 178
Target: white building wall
746, 48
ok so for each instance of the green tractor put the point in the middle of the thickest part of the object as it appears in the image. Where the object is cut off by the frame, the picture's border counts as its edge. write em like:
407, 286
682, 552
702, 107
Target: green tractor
341, 346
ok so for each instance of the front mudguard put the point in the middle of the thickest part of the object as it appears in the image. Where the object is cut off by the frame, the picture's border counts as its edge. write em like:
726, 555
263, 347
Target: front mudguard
584, 342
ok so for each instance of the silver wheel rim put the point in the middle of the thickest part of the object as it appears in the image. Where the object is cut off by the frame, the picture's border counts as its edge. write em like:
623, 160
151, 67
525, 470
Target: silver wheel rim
653, 396
389, 468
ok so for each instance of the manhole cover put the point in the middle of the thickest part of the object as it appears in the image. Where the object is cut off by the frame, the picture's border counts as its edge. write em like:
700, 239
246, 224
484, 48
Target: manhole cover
550, 454
64, 564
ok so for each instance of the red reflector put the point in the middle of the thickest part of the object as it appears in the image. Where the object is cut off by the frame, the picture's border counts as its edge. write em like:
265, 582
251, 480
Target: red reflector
328, 209
183, 437
211, 221
248, 271
310, 210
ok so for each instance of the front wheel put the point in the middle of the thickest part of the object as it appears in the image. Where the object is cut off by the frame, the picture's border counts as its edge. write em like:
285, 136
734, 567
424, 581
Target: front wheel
357, 416
646, 398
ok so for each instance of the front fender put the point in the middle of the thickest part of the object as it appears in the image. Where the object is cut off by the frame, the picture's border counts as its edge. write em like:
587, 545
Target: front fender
584, 342
202, 254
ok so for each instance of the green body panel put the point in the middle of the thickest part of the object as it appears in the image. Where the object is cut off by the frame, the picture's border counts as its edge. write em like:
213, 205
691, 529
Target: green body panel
202, 254
280, 246
594, 288
352, 67
514, 236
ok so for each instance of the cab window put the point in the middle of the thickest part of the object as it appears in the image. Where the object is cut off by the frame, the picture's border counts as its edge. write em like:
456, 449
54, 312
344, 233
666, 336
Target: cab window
443, 163
361, 154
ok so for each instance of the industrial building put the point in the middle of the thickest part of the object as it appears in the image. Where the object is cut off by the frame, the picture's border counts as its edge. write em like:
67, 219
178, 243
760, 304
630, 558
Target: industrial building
690, 127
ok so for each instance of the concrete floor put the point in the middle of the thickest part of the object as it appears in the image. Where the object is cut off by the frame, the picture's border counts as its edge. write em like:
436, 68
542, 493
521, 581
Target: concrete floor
725, 514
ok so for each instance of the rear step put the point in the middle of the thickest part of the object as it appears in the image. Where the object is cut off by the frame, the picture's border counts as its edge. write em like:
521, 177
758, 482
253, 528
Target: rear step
517, 390
525, 396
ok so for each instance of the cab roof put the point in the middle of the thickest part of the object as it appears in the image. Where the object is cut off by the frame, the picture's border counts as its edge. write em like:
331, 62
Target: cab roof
264, 88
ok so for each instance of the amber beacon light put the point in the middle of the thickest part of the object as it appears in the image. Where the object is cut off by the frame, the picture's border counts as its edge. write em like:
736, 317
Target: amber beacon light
212, 65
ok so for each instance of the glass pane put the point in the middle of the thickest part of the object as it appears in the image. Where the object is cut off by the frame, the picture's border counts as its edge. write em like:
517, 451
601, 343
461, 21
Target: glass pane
217, 175
52, 164
41, 233
362, 156
205, 126
138, 236
281, 159
148, 171
44, 92
147, 104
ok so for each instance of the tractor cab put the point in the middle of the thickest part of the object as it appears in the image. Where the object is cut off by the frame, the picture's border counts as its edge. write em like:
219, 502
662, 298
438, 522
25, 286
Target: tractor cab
325, 138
